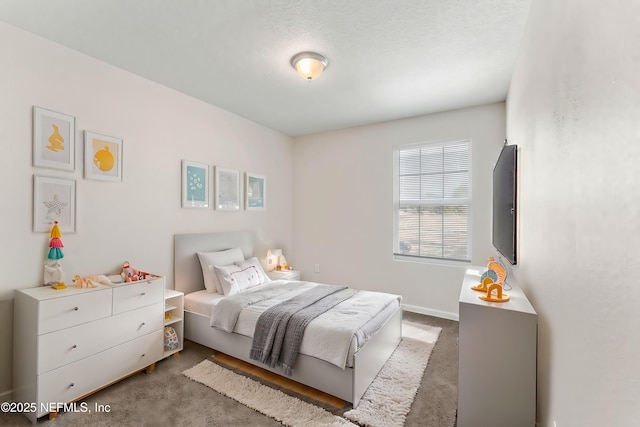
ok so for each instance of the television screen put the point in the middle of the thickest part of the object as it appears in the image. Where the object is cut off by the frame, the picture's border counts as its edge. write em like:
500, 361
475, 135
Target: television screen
504, 202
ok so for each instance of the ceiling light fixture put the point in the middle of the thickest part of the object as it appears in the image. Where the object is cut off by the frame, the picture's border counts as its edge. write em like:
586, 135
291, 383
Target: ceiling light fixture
309, 64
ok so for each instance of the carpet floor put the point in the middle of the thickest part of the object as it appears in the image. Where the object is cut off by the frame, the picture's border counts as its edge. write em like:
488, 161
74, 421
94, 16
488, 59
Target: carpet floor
385, 404
167, 398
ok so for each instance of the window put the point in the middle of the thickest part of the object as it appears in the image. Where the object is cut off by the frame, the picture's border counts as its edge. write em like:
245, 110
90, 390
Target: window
432, 201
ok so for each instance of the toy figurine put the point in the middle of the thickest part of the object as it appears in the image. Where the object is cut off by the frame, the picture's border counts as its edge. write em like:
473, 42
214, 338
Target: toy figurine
130, 274
83, 282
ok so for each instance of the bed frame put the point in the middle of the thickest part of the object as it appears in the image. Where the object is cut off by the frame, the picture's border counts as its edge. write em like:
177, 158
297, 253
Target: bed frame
348, 384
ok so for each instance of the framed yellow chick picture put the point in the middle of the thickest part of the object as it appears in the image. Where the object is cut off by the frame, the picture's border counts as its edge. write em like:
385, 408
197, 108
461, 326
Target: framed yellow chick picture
53, 139
102, 157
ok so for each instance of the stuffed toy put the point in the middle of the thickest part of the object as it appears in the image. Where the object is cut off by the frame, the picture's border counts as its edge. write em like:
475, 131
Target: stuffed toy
83, 282
130, 274
170, 339
101, 278
53, 272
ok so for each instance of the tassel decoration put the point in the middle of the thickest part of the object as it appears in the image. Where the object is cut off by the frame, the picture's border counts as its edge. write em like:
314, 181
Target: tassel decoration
55, 253
55, 244
55, 231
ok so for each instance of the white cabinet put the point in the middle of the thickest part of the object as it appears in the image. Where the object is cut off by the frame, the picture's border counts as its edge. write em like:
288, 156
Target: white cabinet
71, 342
174, 318
497, 358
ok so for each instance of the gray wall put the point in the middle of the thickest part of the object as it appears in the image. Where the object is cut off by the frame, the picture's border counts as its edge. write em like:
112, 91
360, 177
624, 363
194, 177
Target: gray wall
574, 109
343, 205
136, 219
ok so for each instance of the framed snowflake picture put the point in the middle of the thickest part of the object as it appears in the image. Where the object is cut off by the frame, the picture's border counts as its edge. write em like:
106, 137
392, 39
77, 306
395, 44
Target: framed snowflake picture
54, 199
195, 185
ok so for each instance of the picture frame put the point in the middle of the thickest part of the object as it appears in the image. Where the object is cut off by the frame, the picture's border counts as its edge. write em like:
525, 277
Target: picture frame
102, 157
227, 189
255, 192
54, 139
54, 199
195, 185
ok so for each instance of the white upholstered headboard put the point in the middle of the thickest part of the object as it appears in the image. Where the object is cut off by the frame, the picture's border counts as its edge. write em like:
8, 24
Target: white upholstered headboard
186, 265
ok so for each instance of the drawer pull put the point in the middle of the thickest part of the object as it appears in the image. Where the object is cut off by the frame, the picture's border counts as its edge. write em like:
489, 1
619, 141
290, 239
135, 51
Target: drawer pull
75, 308
143, 324
71, 385
143, 354
143, 294
74, 346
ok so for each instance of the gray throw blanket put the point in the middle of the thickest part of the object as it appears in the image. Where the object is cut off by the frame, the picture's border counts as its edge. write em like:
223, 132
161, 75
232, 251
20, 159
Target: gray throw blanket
279, 330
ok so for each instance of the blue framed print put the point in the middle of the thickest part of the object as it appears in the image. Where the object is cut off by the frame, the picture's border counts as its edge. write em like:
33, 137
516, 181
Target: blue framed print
195, 185
256, 192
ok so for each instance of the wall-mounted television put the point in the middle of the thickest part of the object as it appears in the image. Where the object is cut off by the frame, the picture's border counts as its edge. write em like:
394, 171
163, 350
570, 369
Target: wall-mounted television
505, 176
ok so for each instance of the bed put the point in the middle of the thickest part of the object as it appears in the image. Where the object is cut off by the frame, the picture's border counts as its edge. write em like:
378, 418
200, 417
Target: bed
348, 383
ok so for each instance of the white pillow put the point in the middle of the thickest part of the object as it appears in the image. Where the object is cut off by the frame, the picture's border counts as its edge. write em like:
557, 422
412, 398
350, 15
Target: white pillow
209, 259
235, 279
253, 262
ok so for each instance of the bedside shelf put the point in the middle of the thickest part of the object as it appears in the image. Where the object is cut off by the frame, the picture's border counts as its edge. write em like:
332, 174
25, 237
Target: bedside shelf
174, 307
284, 275
172, 321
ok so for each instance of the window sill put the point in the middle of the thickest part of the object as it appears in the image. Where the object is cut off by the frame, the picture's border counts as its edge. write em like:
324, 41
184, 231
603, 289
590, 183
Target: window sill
432, 261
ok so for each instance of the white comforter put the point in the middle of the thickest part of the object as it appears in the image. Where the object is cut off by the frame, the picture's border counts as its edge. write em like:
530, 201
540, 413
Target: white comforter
333, 336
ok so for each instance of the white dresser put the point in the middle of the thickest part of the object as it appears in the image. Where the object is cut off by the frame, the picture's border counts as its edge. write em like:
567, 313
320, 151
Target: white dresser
69, 343
497, 358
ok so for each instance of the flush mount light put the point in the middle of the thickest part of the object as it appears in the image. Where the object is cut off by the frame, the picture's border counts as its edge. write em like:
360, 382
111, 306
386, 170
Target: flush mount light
309, 64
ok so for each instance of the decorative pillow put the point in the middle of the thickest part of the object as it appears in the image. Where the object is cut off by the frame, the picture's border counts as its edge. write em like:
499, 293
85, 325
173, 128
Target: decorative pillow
170, 339
253, 262
235, 279
209, 259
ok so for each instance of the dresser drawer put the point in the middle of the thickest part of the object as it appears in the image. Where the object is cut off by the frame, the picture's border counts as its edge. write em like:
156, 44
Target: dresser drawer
60, 313
78, 379
60, 348
136, 295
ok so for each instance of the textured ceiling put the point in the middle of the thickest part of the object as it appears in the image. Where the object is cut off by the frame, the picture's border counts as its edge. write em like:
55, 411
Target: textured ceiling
387, 59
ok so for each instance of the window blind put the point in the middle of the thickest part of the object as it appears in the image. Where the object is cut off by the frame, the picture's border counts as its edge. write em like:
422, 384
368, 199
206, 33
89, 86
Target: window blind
432, 195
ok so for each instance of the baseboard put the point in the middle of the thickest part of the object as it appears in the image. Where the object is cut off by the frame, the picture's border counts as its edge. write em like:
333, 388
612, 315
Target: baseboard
431, 312
6, 396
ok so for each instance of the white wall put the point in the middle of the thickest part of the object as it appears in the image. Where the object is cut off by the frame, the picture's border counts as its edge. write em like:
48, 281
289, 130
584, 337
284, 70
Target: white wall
343, 205
574, 109
134, 220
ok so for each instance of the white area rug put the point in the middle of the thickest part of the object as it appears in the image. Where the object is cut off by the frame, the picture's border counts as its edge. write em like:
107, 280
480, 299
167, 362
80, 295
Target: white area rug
388, 399
385, 404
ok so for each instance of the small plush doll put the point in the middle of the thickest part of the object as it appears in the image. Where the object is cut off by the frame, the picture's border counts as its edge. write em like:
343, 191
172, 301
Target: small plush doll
53, 272
129, 274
